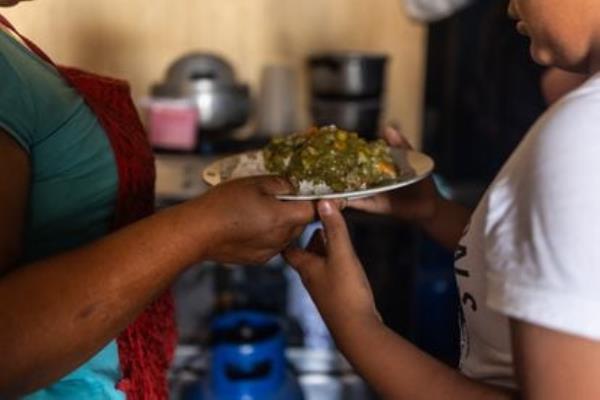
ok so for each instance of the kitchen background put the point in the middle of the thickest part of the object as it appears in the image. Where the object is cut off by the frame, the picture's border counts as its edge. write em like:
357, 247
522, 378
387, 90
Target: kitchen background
450, 85
138, 39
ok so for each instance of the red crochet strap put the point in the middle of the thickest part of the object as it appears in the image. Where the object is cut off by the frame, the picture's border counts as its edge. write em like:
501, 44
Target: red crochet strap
147, 345
6, 23
28, 42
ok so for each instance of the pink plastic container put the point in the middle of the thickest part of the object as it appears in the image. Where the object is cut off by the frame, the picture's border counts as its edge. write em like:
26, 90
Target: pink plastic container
172, 124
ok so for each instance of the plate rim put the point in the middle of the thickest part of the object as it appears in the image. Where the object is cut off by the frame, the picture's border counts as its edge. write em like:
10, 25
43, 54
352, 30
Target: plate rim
210, 169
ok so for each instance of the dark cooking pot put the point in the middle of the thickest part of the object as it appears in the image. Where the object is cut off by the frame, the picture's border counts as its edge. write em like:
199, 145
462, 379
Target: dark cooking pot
361, 116
347, 74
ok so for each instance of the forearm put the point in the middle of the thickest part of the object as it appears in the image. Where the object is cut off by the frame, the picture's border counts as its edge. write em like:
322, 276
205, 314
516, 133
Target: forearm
398, 370
58, 312
447, 224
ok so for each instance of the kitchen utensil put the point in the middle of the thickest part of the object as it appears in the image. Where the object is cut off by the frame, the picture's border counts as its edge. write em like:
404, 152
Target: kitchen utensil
209, 81
171, 124
351, 74
277, 105
200, 66
221, 107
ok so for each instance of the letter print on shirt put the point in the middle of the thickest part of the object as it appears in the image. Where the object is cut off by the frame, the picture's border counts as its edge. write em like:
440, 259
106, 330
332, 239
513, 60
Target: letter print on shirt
466, 298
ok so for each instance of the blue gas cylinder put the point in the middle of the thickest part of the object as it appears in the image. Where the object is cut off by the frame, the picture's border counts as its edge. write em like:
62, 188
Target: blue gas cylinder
247, 361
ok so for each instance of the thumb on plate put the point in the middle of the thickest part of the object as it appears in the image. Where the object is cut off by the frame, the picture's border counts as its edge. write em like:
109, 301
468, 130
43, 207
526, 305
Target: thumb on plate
396, 139
338, 241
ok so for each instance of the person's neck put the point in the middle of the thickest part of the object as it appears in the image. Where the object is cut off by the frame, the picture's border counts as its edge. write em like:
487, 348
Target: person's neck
594, 58
595, 62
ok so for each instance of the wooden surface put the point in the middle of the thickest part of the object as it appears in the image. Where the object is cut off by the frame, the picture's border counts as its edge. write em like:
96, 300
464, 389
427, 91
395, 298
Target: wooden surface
137, 39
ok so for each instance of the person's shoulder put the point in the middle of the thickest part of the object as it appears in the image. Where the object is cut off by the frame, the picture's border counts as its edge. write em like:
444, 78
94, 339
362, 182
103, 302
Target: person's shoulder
571, 127
17, 109
10, 73
577, 113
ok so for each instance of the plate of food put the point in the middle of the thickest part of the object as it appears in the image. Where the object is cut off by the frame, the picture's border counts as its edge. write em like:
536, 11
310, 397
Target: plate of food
326, 163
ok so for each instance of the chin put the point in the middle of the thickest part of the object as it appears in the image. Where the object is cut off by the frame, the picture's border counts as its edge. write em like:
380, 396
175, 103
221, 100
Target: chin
566, 58
542, 56
578, 65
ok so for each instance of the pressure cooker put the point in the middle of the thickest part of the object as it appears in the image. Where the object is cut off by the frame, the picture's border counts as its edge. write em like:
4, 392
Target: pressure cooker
209, 81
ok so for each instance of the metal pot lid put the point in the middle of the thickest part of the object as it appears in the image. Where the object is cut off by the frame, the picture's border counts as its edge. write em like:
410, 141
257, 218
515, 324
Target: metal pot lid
196, 67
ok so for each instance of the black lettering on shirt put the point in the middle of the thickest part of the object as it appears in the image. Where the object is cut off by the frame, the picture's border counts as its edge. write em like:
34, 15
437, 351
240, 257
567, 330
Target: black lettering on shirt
468, 299
461, 252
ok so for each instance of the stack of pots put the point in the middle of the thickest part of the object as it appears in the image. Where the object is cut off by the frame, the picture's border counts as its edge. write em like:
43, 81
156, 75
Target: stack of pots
347, 90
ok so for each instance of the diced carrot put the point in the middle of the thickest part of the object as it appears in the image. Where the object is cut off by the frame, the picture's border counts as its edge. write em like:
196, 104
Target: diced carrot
386, 168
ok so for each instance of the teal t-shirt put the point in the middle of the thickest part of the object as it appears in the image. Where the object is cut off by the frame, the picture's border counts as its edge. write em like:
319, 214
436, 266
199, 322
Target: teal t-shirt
73, 185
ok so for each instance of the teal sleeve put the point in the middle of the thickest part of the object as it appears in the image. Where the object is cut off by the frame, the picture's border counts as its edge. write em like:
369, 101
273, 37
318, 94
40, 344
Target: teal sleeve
17, 114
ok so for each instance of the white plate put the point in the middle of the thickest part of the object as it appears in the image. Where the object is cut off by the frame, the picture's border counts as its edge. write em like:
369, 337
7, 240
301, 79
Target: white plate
415, 166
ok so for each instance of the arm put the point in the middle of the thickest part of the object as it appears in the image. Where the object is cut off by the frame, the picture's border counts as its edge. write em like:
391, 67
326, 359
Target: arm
447, 224
550, 365
394, 367
399, 370
442, 219
553, 365
14, 175
59, 311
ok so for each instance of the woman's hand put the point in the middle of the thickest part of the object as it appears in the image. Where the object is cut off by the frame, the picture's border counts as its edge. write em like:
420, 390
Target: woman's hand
414, 203
246, 223
333, 275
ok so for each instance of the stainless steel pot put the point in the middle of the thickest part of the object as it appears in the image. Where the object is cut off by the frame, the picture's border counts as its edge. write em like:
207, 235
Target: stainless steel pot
347, 74
220, 107
360, 116
200, 66
209, 81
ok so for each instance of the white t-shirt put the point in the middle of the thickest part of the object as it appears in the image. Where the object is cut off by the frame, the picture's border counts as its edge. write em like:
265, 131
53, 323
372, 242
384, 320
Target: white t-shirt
532, 248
